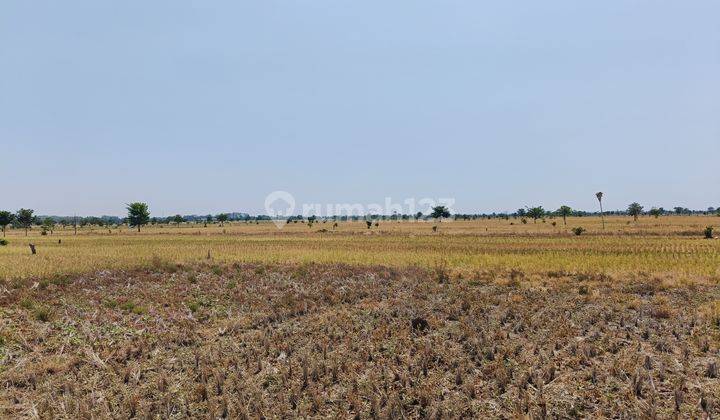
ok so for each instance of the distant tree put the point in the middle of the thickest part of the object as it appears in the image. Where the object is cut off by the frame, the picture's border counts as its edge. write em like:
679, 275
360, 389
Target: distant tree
564, 212
599, 196
178, 219
418, 215
535, 213
222, 218
521, 212
48, 225
138, 215
679, 210
25, 219
5, 219
635, 210
655, 212
718, 212
209, 218
438, 212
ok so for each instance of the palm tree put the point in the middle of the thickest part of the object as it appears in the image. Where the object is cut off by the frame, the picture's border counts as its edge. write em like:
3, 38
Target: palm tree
564, 211
599, 196
535, 213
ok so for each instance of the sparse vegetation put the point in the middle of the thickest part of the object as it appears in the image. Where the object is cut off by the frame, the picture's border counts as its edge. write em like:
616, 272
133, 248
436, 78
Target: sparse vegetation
668, 247
578, 230
708, 232
312, 340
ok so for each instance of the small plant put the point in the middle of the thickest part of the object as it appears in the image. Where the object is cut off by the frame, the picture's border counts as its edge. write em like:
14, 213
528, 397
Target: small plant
524, 221
4, 242
708, 232
128, 306
27, 304
368, 223
42, 314
578, 230
193, 306
110, 303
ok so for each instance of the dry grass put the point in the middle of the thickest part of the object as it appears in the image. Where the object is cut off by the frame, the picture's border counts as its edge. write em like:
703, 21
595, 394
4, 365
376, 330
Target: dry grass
309, 340
670, 246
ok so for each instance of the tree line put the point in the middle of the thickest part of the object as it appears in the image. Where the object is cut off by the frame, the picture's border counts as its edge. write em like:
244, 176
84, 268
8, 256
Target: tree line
138, 215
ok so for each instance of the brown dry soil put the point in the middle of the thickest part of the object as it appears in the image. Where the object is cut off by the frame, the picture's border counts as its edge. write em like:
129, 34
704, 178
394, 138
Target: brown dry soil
337, 341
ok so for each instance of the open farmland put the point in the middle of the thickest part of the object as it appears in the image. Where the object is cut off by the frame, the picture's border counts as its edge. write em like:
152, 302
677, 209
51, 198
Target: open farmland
333, 341
476, 319
668, 246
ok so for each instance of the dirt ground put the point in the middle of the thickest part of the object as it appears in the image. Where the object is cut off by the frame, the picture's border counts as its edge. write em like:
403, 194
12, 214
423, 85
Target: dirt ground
282, 341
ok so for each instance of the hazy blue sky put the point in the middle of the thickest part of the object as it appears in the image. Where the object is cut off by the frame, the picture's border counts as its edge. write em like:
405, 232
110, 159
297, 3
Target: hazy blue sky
205, 106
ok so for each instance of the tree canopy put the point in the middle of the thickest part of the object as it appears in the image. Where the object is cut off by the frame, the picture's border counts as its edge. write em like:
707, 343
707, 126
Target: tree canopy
138, 214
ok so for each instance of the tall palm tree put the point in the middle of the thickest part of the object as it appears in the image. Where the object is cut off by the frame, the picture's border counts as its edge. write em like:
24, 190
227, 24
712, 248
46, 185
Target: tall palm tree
599, 196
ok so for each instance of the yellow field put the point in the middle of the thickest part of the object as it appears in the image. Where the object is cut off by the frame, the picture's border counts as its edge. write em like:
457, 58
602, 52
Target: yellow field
669, 245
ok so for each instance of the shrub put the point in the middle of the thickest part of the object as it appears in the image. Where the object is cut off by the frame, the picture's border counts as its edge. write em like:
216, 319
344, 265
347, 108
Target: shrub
709, 232
578, 230
3, 242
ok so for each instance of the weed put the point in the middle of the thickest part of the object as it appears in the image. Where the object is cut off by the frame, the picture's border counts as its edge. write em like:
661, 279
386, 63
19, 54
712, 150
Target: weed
42, 313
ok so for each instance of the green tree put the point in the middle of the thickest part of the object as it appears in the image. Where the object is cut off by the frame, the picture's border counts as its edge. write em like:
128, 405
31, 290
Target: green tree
25, 219
178, 219
535, 213
438, 212
209, 218
564, 212
138, 215
655, 212
222, 218
48, 225
5, 219
635, 210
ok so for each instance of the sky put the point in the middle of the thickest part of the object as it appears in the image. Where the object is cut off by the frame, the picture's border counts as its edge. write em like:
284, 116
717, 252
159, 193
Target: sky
205, 106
